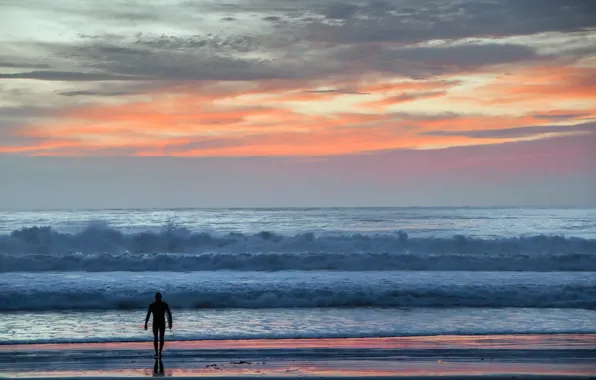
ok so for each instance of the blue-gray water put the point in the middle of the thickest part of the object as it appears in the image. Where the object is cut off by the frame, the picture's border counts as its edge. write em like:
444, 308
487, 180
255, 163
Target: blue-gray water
244, 273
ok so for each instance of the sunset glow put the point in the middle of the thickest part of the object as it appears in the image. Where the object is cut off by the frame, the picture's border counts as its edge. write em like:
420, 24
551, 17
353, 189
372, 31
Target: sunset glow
353, 96
295, 78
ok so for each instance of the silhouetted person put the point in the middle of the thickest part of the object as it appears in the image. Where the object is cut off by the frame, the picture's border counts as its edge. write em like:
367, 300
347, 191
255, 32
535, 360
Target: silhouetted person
159, 310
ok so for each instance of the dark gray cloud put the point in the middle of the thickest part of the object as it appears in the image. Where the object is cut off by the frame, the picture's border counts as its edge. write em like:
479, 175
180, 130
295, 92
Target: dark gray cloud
142, 67
426, 19
421, 20
465, 55
23, 111
199, 58
341, 10
291, 39
272, 18
341, 29
420, 62
70, 76
567, 116
520, 132
23, 65
118, 11
338, 91
191, 44
166, 58
94, 93
408, 96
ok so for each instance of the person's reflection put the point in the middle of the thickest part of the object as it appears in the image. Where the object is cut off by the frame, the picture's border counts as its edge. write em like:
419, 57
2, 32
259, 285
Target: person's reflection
158, 369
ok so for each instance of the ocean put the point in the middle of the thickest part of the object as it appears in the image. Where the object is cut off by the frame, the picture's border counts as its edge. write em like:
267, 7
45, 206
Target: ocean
88, 276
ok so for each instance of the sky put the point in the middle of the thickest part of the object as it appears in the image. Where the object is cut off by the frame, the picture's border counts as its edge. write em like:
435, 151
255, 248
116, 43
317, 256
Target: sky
263, 103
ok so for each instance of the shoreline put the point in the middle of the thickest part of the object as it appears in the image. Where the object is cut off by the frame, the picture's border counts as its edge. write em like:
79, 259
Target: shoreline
335, 377
524, 356
530, 340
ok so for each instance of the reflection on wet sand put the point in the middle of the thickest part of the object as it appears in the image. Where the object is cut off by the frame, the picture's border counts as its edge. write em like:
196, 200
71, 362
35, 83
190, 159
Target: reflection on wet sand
338, 369
158, 369
521, 341
557, 354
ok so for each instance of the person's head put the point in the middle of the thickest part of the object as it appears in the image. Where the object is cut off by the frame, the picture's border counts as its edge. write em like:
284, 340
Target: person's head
158, 296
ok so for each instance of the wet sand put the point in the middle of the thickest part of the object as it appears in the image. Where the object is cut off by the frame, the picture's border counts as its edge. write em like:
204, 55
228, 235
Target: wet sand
447, 357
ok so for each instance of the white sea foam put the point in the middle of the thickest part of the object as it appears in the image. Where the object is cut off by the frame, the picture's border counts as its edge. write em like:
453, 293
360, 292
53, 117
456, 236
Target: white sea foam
100, 248
254, 290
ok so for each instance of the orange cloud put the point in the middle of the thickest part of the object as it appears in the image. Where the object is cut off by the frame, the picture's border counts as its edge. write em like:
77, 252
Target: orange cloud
263, 118
545, 86
404, 98
407, 86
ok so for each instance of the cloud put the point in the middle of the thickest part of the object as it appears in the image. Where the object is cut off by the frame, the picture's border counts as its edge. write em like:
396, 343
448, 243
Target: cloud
179, 77
521, 132
272, 18
297, 49
465, 55
421, 20
237, 123
9, 112
555, 116
22, 65
337, 91
70, 76
409, 21
549, 85
341, 10
94, 93
417, 62
405, 98
164, 58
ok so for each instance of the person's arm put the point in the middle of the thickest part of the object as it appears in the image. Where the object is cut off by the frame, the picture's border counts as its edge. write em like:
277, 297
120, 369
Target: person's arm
169, 316
147, 318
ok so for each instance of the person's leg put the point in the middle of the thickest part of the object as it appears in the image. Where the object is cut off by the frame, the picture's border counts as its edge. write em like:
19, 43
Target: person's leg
155, 332
162, 333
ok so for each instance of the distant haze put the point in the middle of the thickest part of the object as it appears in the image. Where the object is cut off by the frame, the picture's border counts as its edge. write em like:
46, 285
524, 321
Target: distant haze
520, 174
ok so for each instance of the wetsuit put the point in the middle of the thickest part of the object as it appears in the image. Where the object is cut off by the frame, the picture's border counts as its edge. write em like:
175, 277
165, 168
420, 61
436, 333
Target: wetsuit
159, 310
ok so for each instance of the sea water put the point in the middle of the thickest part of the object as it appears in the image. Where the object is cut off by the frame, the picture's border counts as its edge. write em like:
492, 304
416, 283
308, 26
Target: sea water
88, 276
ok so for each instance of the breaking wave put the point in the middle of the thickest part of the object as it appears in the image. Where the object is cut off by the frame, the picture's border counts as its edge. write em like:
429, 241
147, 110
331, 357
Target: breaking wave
100, 248
519, 296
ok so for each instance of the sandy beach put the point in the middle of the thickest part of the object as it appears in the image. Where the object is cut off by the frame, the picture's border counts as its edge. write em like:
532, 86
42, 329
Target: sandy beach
494, 356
